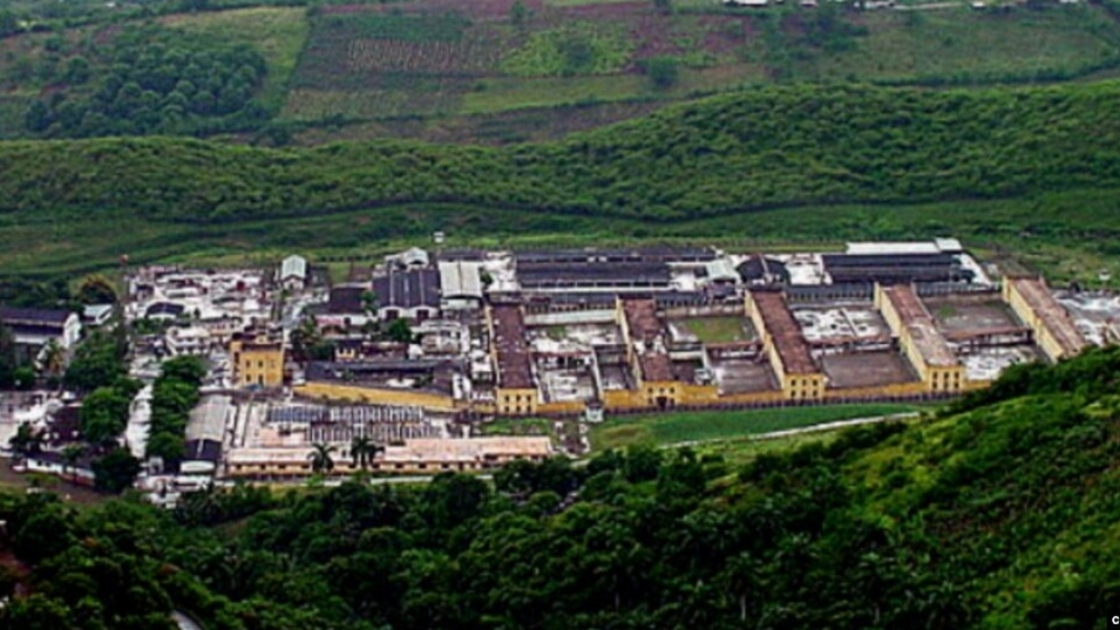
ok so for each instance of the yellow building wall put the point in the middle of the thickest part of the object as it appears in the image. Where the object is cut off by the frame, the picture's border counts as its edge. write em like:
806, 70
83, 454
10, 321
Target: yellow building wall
516, 402
562, 407
911, 389
258, 366
338, 392
623, 399
1042, 335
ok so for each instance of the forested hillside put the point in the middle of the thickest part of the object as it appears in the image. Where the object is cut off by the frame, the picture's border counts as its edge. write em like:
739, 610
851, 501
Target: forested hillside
1004, 513
768, 148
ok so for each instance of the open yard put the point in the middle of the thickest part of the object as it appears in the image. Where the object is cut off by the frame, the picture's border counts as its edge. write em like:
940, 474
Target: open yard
672, 428
720, 329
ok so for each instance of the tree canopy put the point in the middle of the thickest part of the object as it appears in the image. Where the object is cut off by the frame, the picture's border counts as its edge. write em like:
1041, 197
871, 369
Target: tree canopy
937, 524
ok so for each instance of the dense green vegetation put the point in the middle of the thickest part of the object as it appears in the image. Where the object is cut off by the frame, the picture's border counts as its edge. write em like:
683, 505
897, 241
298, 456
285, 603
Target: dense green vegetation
174, 394
728, 154
1001, 514
151, 81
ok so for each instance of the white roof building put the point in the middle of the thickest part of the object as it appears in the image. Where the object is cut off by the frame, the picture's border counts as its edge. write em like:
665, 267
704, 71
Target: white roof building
460, 279
293, 267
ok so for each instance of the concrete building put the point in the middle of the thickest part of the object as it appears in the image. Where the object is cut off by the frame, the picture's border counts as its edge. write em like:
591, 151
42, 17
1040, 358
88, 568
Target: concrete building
1054, 330
516, 393
34, 327
784, 343
293, 273
423, 456
921, 342
412, 294
460, 285
257, 359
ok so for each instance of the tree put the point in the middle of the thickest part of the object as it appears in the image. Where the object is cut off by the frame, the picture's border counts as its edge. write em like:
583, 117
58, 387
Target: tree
71, 454
662, 72
519, 14
187, 369
116, 471
364, 450
399, 331
96, 289
54, 359
23, 378
104, 416
8, 358
321, 458
369, 302
26, 441
98, 362
167, 446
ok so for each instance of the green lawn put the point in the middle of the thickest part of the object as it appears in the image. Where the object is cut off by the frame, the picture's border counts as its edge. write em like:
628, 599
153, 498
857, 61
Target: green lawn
672, 428
957, 42
719, 329
517, 426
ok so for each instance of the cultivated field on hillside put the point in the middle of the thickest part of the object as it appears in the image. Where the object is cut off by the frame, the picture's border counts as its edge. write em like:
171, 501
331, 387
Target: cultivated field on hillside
278, 33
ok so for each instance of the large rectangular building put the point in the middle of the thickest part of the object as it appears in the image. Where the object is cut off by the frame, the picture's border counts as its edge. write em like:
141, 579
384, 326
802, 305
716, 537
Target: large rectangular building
922, 344
785, 345
516, 393
1054, 330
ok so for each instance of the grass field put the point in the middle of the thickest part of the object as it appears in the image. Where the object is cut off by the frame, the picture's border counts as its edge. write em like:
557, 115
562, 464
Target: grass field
960, 42
673, 428
1065, 235
717, 329
278, 33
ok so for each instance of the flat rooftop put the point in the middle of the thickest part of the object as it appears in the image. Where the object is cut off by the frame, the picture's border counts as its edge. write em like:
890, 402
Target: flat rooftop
866, 369
786, 333
933, 348
1038, 297
514, 370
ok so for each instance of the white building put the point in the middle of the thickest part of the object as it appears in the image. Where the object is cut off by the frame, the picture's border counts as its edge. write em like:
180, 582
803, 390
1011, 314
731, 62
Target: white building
293, 273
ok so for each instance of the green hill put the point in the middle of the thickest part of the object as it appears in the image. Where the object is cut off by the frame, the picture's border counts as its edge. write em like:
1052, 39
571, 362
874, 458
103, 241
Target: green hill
793, 162
1003, 513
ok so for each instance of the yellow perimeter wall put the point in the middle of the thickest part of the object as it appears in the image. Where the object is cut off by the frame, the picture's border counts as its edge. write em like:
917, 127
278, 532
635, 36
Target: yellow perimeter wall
332, 391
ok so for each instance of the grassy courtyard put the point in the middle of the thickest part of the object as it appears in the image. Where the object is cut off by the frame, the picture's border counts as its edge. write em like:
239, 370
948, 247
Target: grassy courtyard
672, 428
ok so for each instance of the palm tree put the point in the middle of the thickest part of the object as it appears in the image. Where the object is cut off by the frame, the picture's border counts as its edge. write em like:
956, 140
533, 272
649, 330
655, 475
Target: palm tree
26, 441
364, 450
54, 358
321, 460
70, 456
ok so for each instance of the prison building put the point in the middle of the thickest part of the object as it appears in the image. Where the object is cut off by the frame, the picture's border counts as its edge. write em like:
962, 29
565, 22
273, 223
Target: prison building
644, 334
1054, 330
894, 268
594, 275
460, 285
257, 358
414, 456
785, 345
516, 393
922, 344
639, 255
412, 294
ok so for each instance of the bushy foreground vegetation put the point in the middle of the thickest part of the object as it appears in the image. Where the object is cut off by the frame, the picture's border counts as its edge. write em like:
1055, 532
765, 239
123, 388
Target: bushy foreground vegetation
770, 148
1001, 515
